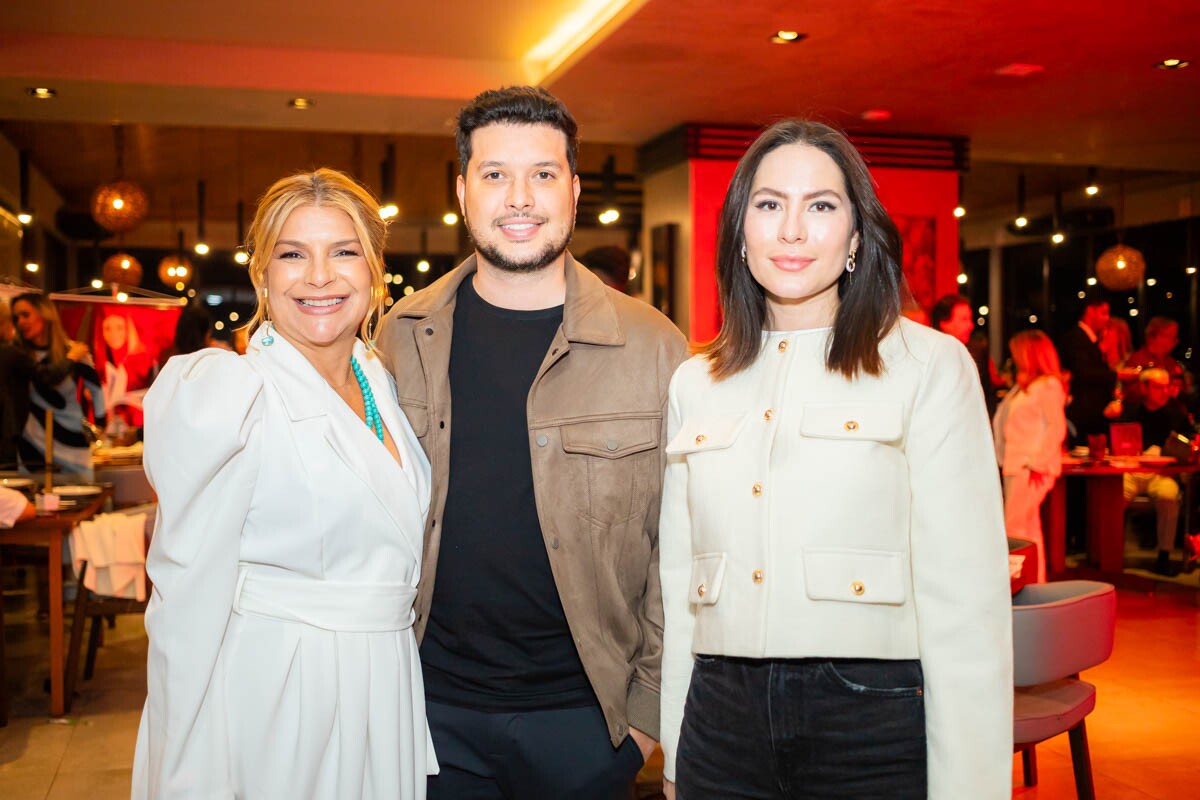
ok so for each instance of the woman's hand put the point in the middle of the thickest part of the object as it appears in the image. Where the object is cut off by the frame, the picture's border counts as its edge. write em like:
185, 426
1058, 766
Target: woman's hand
668, 789
77, 351
1037, 479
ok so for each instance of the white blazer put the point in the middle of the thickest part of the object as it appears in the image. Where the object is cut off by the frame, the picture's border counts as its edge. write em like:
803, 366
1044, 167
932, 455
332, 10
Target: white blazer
806, 515
284, 561
1030, 427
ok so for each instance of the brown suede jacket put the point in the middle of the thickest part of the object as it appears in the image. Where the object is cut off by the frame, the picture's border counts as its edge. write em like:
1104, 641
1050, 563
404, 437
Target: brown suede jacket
596, 438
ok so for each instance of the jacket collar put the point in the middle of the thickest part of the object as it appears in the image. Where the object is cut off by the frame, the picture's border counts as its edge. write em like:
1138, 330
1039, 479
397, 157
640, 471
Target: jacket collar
302, 389
588, 313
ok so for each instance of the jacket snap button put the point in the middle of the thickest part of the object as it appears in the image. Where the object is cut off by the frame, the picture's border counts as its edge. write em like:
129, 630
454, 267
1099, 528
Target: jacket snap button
756, 490
851, 425
858, 588
783, 346
542, 440
768, 414
700, 590
611, 444
758, 576
700, 439
554, 543
429, 331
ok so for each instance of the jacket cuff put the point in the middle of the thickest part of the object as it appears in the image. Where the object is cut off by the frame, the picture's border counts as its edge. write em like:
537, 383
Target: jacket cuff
642, 708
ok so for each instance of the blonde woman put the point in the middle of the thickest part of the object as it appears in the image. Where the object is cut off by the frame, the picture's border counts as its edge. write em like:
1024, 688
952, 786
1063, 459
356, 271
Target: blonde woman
292, 498
1029, 427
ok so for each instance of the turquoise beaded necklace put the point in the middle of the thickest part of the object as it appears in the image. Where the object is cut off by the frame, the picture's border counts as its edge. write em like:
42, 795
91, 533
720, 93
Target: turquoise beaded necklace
371, 411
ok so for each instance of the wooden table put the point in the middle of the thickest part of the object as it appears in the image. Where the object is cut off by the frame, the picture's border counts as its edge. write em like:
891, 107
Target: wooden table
1105, 521
49, 530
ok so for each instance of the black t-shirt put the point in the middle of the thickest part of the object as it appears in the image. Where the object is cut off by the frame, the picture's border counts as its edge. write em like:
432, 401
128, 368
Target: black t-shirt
497, 637
1158, 424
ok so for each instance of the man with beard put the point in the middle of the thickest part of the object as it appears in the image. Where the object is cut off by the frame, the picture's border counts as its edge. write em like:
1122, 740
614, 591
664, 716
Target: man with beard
538, 394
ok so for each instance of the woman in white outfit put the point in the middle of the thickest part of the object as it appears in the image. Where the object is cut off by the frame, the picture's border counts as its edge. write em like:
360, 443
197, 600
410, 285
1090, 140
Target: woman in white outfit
837, 619
292, 496
1030, 426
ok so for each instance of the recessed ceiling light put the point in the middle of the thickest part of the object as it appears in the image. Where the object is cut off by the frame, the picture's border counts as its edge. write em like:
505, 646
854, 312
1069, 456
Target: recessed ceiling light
301, 103
876, 115
788, 37
41, 92
1019, 70
1172, 63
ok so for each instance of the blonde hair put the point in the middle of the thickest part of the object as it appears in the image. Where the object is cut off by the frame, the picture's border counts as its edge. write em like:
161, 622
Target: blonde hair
1035, 356
57, 340
330, 189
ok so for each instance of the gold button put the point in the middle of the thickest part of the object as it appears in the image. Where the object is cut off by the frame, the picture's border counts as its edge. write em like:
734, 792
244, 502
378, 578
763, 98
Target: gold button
757, 575
700, 439
768, 414
756, 489
700, 590
851, 425
858, 588
783, 346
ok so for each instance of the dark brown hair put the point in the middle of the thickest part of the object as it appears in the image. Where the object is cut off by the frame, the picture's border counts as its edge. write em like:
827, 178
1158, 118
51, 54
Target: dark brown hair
943, 309
870, 296
514, 105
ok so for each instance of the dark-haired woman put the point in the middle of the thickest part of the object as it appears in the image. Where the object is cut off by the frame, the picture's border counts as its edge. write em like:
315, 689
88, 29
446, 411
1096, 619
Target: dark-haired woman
833, 559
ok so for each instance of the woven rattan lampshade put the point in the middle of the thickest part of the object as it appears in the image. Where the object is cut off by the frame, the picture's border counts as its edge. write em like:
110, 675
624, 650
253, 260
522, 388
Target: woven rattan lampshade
173, 269
122, 268
1120, 268
120, 206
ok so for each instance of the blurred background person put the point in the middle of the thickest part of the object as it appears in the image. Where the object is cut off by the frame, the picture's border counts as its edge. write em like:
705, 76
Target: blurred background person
126, 368
1092, 381
610, 264
194, 331
1162, 335
1029, 428
16, 375
952, 315
1159, 417
64, 380
1116, 342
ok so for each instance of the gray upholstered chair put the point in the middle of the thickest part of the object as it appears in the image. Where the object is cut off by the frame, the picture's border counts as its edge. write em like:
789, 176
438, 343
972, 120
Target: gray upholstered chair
1059, 629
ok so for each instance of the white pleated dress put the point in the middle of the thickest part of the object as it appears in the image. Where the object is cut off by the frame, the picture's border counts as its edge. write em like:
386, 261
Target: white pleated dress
282, 660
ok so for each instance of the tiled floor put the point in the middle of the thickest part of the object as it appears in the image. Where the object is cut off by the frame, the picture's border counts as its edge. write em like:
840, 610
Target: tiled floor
1144, 733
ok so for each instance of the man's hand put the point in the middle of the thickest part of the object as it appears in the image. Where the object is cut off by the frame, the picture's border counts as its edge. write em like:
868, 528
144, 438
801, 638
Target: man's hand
644, 742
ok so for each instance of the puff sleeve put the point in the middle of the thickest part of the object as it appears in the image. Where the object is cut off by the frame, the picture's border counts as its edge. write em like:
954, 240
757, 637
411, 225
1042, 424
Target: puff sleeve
202, 454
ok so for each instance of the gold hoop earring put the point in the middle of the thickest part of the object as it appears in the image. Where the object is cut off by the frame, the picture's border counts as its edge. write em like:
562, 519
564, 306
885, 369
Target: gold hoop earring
850, 262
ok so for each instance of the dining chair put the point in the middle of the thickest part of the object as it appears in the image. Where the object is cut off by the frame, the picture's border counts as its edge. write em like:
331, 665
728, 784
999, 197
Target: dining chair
1059, 629
97, 608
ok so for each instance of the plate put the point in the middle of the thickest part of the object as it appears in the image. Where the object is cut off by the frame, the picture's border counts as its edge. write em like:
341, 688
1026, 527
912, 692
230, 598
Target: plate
76, 491
19, 484
1157, 461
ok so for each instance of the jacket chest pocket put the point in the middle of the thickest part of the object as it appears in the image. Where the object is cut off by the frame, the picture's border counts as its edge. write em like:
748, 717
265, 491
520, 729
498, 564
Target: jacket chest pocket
611, 466
417, 413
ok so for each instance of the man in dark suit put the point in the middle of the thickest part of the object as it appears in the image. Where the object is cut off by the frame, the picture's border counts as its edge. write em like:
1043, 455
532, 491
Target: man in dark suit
1092, 381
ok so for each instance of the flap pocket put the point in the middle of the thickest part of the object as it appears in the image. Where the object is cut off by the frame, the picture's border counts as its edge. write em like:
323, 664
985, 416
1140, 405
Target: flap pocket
611, 438
878, 422
708, 572
854, 576
418, 416
712, 432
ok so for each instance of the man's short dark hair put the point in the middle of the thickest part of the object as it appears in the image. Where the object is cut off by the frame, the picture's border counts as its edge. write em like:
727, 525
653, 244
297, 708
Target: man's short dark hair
514, 105
1092, 298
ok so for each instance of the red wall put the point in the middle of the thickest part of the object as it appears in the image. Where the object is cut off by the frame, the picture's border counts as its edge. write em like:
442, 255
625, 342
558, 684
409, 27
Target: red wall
907, 192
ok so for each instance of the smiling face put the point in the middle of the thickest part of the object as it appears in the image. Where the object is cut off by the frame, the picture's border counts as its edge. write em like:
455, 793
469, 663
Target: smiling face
518, 196
114, 330
799, 231
318, 280
30, 323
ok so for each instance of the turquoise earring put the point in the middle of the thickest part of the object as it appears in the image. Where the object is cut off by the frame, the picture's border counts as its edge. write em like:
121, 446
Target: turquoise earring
268, 339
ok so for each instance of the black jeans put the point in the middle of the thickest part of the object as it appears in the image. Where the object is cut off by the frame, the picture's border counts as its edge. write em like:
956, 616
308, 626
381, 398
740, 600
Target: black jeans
562, 754
802, 729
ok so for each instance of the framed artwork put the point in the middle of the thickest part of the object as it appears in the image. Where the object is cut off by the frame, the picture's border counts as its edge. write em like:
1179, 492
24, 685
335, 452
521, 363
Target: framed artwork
919, 262
663, 239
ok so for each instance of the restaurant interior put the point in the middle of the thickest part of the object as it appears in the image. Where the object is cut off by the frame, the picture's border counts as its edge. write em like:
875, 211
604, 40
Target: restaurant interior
1031, 154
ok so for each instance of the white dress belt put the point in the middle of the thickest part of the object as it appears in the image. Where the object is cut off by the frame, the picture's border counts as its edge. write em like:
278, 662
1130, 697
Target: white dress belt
347, 606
